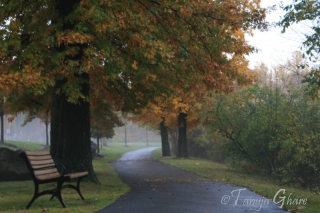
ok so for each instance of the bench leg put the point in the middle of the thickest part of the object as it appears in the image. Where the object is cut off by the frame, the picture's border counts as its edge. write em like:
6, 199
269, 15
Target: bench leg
58, 193
77, 188
35, 195
55, 193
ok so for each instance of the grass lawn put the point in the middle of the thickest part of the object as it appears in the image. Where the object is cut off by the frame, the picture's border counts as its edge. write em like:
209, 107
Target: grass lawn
14, 196
24, 145
266, 187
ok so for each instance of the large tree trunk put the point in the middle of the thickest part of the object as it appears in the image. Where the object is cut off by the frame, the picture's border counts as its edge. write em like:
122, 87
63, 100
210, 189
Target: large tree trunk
56, 143
164, 139
70, 132
182, 137
1, 119
70, 123
125, 134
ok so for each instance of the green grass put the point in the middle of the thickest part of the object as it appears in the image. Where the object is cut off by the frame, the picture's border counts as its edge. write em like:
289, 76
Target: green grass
264, 186
24, 145
14, 196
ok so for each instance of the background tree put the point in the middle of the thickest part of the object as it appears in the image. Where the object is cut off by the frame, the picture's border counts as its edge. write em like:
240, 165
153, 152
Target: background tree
306, 10
154, 117
187, 103
264, 75
43, 115
22, 101
103, 120
299, 11
286, 76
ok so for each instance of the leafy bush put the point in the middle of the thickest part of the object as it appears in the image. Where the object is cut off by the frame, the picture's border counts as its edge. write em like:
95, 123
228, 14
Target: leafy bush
204, 144
272, 131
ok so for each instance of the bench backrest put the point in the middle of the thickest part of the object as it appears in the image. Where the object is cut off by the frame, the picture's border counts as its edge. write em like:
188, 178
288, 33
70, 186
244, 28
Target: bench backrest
42, 165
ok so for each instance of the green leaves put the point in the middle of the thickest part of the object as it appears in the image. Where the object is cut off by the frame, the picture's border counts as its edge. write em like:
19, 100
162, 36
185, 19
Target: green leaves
274, 130
313, 81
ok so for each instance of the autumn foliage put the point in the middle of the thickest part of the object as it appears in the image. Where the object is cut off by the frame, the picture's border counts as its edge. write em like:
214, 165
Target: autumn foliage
133, 52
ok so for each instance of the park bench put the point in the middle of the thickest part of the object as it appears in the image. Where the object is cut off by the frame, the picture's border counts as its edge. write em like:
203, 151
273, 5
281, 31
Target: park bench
43, 170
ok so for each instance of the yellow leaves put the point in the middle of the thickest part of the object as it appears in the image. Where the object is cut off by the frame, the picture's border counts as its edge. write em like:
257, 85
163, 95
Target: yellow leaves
197, 106
71, 37
153, 77
157, 110
176, 100
135, 65
239, 34
150, 55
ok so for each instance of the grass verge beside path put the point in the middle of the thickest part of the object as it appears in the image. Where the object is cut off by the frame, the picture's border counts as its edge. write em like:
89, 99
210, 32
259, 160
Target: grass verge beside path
14, 196
262, 185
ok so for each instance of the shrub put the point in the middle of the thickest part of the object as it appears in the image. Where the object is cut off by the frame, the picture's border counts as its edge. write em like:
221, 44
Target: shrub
271, 131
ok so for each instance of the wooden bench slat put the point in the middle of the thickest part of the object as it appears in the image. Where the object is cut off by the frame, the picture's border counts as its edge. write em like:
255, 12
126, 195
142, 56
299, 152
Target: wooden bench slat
76, 175
43, 166
46, 171
41, 162
30, 153
40, 157
48, 176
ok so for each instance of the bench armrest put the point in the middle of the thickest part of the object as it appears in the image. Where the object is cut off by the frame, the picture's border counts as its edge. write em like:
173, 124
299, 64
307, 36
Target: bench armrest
64, 169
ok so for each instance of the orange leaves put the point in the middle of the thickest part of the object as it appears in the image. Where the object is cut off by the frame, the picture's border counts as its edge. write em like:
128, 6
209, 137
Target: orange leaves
186, 11
7, 82
122, 24
136, 40
27, 80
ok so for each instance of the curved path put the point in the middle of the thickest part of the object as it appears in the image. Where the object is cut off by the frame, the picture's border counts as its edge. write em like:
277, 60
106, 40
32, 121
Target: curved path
160, 188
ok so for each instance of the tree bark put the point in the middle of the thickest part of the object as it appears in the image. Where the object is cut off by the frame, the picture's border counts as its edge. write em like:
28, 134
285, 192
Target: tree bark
147, 136
125, 133
164, 139
182, 137
56, 147
70, 133
47, 127
2, 125
70, 123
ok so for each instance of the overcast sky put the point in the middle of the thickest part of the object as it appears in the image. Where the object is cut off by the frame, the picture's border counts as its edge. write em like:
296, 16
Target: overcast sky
276, 47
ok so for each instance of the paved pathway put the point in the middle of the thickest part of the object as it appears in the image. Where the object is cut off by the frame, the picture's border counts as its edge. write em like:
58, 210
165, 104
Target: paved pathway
160, 188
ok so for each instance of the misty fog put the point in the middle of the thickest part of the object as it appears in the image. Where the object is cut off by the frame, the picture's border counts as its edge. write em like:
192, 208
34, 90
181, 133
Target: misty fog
35, 131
